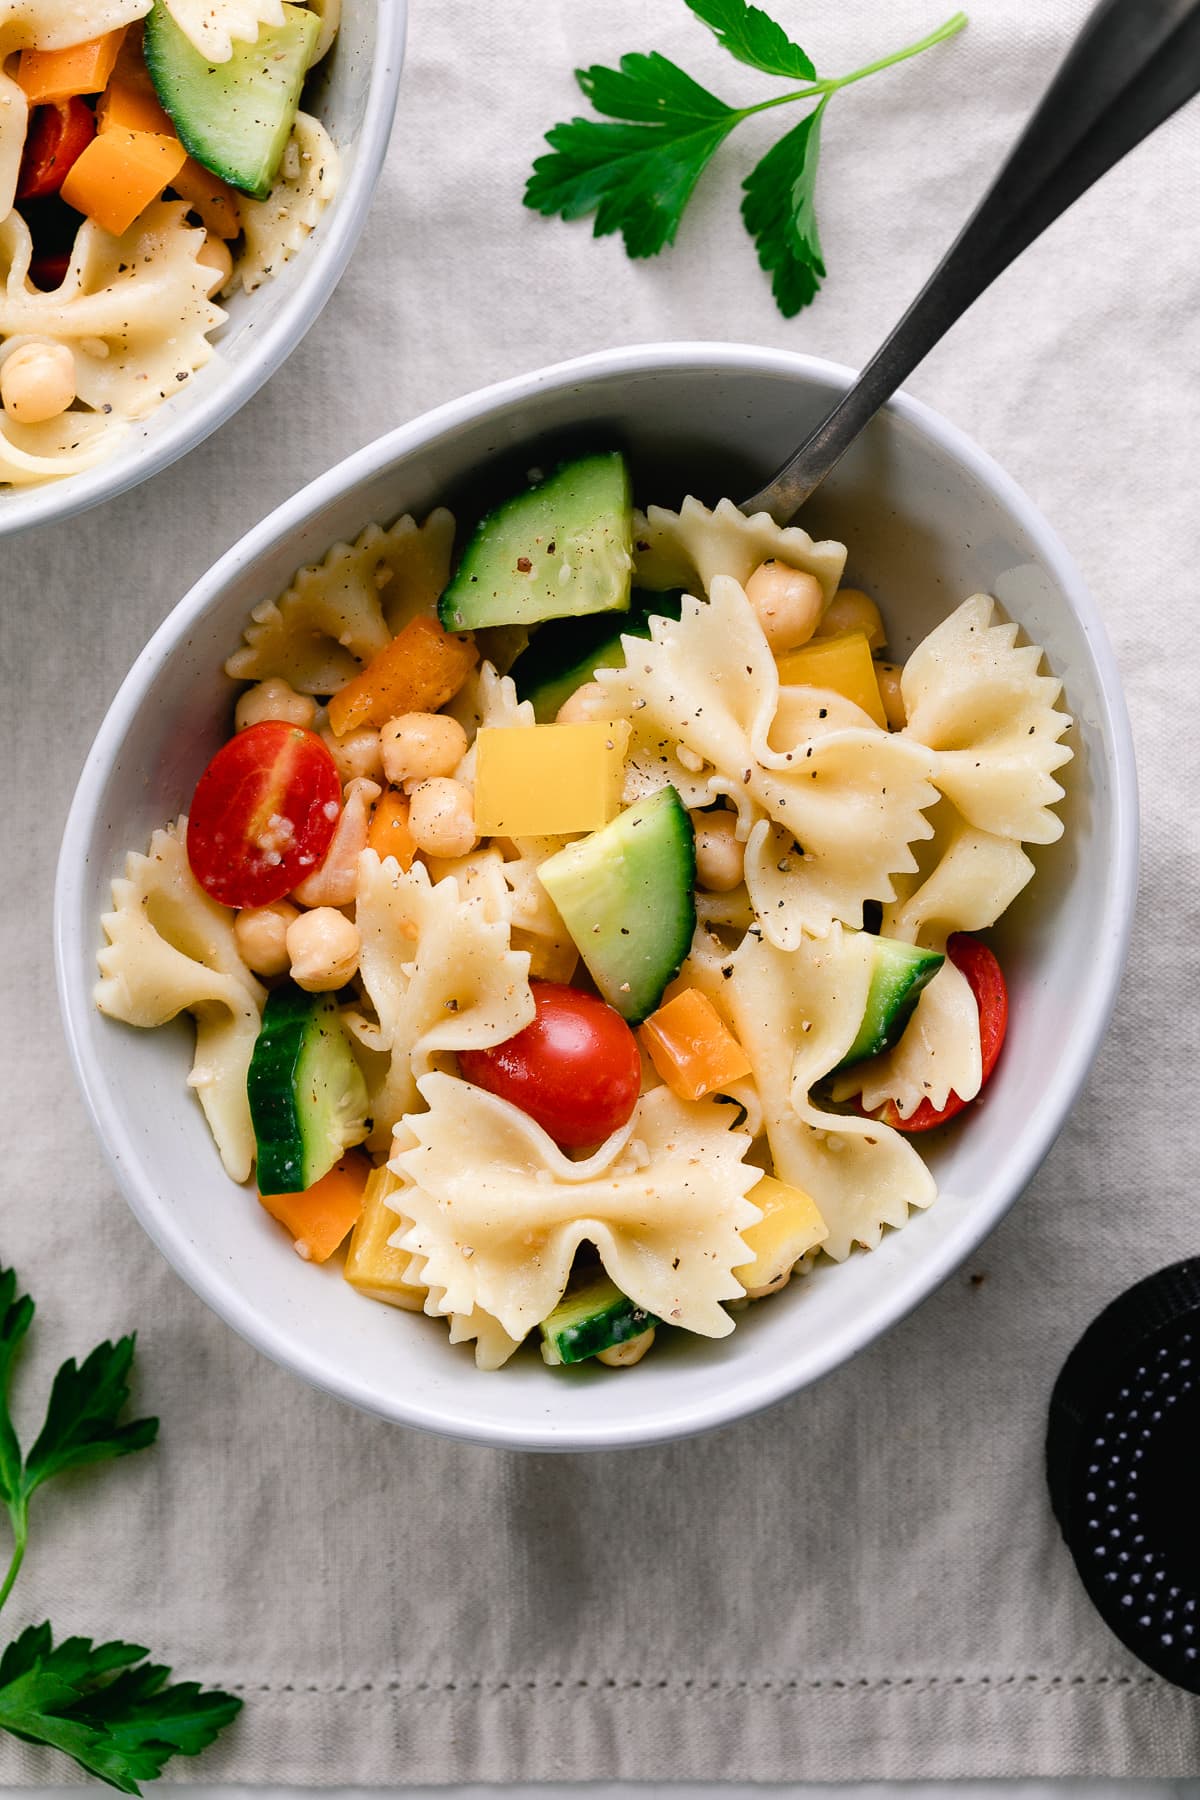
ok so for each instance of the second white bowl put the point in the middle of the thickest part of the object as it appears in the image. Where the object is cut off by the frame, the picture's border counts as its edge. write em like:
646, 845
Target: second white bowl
355, 99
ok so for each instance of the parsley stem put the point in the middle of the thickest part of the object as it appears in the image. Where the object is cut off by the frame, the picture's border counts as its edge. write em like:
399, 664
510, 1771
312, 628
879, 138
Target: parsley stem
950, 29
823, 89
20, 1525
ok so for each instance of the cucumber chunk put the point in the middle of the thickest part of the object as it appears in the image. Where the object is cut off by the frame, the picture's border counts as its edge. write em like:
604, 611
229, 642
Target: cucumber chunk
567, 652
899, 973
234, 117
308, 1099
627, 896
559, 550
593, 1318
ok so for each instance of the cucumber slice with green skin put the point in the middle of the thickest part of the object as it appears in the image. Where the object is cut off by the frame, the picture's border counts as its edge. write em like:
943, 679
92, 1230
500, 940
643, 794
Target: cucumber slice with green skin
900, 972
561, 549
308, 1099
234, 117
567, 652
627, 896
593, 1318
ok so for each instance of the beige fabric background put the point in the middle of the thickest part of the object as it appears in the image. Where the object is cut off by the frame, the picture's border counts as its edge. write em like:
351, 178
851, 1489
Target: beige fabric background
866, 1582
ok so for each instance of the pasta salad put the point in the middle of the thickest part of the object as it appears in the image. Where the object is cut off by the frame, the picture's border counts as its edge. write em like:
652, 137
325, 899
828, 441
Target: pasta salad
153, 156
580, 943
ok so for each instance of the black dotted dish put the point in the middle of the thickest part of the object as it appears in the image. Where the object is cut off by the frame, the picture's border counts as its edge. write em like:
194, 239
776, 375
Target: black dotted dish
1123, 1464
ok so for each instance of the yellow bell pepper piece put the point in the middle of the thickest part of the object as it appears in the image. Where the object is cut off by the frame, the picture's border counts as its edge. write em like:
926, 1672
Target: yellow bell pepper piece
840, 665
373, 1266
548, 780
790, 1227
692, 1048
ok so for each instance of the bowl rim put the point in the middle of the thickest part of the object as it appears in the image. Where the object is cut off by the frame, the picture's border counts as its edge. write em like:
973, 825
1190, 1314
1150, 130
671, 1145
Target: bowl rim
764, 1386
277, 334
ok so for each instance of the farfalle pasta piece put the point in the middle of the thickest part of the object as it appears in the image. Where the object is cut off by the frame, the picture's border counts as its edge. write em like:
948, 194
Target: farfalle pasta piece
973, 695
212, 25
972, 878
796, 1014
277, 227
134, 312
938, 1053
499, 1210
338, 613
171, 949
440, 975
845, 798
695, 545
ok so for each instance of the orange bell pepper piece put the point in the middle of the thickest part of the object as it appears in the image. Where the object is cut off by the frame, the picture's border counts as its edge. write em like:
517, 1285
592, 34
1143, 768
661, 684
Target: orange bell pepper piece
692, 1048
418, 671
320, 1217
388, 833
49, 75
119, 174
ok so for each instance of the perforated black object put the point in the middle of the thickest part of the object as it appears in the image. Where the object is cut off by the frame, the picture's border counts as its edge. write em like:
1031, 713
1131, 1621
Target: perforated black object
1123, 1464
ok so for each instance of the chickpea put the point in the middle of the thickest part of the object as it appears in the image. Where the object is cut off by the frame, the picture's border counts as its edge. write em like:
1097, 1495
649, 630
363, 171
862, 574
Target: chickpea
442, 817
419, 746
852, 610
720, 858
888, 675
274, 699
788, 603
261, 936
37, 382
357, 755
623, 1356
589, 704
323, 948
217, 256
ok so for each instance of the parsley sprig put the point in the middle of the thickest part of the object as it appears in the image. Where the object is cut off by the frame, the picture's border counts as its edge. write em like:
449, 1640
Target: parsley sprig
637, 175
103, 1704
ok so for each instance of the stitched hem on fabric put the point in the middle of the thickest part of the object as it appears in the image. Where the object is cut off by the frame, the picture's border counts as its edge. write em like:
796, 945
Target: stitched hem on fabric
829, 1729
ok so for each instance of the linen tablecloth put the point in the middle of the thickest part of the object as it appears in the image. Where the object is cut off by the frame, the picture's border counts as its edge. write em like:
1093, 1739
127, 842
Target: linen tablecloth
867, 1581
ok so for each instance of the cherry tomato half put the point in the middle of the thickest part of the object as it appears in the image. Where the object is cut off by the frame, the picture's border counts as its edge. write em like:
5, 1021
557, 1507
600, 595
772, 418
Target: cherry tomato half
57, 137
991, 997
576, 1070
263, 814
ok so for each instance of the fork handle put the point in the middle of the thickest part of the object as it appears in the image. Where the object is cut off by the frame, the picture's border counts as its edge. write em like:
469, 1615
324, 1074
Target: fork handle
1134, 63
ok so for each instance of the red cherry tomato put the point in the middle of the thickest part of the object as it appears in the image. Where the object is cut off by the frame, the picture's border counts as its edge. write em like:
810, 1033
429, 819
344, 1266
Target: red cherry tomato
57, 137
991, 997
575, 1070
263, 814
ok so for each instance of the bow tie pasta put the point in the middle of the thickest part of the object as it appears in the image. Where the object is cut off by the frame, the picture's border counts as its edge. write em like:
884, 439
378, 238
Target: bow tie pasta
588, 962
152, 155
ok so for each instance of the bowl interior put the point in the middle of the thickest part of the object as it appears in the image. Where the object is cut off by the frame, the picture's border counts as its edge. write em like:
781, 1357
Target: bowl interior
928, 521
353, 94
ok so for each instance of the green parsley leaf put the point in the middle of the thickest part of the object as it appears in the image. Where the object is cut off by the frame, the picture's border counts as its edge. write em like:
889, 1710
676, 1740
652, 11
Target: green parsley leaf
81, 1419
103, 1704
636, 177
117, 1720
780, 214
16, 1316
754, 37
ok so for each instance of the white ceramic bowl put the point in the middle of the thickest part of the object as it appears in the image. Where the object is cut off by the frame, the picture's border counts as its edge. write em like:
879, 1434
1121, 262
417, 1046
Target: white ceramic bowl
354, 95
929, 519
